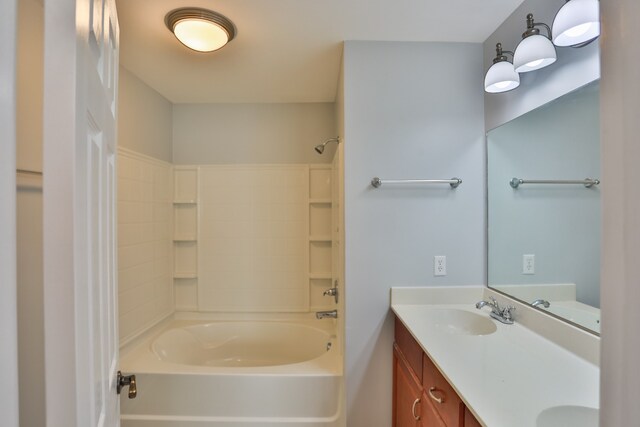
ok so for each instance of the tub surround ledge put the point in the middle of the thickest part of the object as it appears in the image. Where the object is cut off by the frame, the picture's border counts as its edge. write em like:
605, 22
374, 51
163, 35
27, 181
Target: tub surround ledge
514, 376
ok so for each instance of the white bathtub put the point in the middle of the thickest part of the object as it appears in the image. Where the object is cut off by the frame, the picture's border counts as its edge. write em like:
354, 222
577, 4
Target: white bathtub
240, 374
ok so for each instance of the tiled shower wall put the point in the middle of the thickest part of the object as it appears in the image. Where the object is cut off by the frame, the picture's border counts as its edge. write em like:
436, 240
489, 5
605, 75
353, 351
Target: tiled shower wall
253, 238
144, 242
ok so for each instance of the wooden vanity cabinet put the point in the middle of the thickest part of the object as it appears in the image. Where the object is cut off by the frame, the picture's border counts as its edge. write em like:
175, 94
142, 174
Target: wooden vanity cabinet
422, 397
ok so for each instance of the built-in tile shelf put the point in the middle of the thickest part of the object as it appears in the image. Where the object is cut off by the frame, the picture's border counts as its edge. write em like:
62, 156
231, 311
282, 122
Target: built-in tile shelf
326, 238
185, 235
320, 240
320, 201
185, 238
187, 275
326, 276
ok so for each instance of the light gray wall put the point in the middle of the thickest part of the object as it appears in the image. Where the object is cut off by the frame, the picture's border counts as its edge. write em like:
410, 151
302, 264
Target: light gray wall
560, 225
412, 110
252, 133
145, 118
620, 376
573, 69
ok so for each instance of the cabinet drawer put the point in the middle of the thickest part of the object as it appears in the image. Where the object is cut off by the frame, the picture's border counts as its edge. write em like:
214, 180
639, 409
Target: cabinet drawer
409, 347
447, 403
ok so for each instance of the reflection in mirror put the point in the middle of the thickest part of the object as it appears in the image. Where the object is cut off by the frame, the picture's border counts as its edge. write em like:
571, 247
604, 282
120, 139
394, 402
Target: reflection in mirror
544, 237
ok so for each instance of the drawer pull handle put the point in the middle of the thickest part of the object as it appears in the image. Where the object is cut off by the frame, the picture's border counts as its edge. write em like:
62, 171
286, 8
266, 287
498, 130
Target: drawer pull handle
434, 397
413, 409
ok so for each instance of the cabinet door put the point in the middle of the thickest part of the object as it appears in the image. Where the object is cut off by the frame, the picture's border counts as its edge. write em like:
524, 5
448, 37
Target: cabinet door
429, 416
441, 395
406, 393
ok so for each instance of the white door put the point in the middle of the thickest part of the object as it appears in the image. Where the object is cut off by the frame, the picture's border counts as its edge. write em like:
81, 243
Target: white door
80, 99
8, 301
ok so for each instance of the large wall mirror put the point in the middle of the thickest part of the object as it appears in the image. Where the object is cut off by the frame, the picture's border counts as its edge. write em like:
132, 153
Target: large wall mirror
544, 207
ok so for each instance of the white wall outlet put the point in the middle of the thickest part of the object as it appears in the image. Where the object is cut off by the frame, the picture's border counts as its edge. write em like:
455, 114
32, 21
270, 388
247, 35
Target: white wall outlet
439, 265
528, 264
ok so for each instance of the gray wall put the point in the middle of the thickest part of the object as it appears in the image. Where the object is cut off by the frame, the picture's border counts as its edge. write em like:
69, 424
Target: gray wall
573, 69
252, 133
559, 224
406, 116
144, 118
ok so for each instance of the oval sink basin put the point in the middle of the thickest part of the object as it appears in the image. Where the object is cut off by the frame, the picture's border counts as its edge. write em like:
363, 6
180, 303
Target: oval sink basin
568, 416
460, 322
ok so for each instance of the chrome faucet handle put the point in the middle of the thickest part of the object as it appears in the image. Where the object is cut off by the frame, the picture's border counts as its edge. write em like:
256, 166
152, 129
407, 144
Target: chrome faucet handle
507, 312
332, 292
495, 305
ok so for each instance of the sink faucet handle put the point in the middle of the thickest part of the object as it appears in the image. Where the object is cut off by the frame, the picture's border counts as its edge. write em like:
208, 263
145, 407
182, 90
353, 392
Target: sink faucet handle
507, 312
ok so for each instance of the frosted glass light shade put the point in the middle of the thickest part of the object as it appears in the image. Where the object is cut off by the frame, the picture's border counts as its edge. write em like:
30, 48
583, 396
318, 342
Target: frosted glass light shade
200, 35
534, 52
501, 77
578, 21
200, 29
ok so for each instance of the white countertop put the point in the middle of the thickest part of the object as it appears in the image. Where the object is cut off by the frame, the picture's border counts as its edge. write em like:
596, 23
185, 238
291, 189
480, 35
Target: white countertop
506, 378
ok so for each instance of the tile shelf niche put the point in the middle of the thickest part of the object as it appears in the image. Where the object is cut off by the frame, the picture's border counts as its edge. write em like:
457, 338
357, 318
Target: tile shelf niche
320, 241
185, 234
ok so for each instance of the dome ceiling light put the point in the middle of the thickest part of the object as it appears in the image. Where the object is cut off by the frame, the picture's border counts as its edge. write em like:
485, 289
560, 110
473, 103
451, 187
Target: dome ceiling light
199, 29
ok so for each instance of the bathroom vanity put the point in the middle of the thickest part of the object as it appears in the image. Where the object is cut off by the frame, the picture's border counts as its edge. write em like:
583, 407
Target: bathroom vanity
454, 366
422, 396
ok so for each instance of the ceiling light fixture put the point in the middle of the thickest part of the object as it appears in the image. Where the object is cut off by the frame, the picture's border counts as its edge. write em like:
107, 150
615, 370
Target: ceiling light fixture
200, 29
501, 76
577, 23
534, 51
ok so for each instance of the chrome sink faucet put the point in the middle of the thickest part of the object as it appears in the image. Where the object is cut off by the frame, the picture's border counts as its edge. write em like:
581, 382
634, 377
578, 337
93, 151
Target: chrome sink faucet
541, 302
501, 314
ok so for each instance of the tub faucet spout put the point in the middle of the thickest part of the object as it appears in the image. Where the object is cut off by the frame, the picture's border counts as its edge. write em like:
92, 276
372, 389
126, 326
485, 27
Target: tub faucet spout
327, 314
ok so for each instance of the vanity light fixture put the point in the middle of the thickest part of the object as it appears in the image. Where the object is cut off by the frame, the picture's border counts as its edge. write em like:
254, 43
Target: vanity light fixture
200, 29
577, 23
501, 76
535, 50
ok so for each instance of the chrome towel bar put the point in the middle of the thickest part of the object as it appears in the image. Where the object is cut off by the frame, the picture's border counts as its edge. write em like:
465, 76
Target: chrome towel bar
587, 182
453, 182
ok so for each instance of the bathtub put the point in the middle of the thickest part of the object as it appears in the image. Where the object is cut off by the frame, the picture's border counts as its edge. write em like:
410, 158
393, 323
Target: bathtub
234, 373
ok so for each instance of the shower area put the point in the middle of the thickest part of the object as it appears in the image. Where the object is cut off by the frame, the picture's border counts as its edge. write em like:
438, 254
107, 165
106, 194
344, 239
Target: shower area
230, 279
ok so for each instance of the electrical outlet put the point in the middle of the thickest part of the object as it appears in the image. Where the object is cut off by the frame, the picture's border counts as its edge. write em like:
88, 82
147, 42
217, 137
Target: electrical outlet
528, 264
439, 265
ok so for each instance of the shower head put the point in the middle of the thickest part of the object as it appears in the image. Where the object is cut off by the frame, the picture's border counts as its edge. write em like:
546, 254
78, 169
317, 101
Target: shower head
320, 147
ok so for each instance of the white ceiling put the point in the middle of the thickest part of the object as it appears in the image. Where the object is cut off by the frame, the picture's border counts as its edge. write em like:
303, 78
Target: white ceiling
286, 50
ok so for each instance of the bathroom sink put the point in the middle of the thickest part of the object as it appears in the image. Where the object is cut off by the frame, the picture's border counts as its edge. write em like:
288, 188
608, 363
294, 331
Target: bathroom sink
460, 322
568, 416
